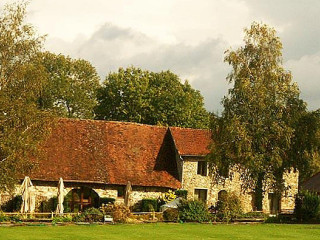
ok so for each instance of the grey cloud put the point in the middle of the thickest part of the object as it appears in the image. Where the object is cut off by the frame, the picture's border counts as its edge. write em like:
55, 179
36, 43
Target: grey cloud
111, 47
300, 20
306, 72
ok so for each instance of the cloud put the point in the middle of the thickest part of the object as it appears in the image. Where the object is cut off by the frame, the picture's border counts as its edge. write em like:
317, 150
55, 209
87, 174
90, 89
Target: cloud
297, 22
185, 36
306, 71
111, 47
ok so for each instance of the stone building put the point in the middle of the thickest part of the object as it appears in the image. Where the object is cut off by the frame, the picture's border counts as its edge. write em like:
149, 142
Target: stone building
96, 159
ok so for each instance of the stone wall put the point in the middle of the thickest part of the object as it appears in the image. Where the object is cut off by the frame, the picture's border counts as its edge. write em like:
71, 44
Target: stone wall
43, 191
191, 181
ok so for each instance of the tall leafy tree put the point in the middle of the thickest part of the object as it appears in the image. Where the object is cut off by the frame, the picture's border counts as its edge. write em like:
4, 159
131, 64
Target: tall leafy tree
255, 130
136, 95
71, 86
22, 124
305, 148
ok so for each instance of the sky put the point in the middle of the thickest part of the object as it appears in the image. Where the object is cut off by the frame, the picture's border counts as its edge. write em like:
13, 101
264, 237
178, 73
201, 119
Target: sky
187, 37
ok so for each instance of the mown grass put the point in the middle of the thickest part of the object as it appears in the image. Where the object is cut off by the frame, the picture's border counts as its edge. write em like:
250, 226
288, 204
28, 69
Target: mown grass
164, 231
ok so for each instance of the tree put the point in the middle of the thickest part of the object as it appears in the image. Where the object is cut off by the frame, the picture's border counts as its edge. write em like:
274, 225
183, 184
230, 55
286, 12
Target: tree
22, 124
305, 150
255, 130
146, 97
71, 86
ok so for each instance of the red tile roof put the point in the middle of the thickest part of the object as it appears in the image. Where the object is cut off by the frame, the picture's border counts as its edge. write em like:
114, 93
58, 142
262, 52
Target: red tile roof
190, 141
109, 152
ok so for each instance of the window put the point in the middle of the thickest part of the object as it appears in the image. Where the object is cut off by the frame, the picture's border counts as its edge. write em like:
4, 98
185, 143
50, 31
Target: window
200, 195
120, 192
222, 195
202, 168
274, 203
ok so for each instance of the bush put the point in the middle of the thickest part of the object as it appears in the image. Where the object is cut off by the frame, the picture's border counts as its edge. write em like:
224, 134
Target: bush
3, 218
171, 214
307, 206
119, 212
49, 205
181, 193
168, 196
149, 205
107, 201
193, 211
13, 218
13, 205
229, 207
254, 215
64, 218
89, 215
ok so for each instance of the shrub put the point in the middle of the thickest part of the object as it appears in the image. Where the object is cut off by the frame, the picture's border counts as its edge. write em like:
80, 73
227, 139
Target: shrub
3, 218
89, 215
14, 204
307, 206
229, 207
168, 196
193, 211
254, 215
107, 201
149, 205
171, 214
181, 193
64, 218
119, 212
49, 205
13, 218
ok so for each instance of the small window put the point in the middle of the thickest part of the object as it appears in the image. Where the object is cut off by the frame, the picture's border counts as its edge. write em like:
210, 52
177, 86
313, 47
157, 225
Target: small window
120, 192
200, 195
222, 195
202, 168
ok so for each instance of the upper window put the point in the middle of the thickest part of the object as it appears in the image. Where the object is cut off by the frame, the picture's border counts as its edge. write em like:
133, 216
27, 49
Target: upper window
202, 168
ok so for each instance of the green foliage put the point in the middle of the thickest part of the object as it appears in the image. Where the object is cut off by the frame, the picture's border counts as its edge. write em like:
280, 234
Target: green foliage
307, 206
181, 193
13, 205
49, 205
306, 145
168, 196
146, 97
107, 200
149, 205
193, 211
171, 215
89, 215
229, 207
22, 124
62, 219
71, 86
12, 218
256, 129
3, 218
254, 215
119, 212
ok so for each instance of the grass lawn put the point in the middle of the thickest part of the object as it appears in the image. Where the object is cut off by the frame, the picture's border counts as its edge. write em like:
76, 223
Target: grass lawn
163, 231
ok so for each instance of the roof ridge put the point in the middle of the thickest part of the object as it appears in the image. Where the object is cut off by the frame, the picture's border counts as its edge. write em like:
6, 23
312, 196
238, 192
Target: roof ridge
111, 121
128, 123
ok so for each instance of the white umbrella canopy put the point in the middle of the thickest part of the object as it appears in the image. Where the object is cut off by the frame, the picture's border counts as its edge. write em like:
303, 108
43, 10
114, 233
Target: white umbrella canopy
60, 197
127, 194
28, 203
